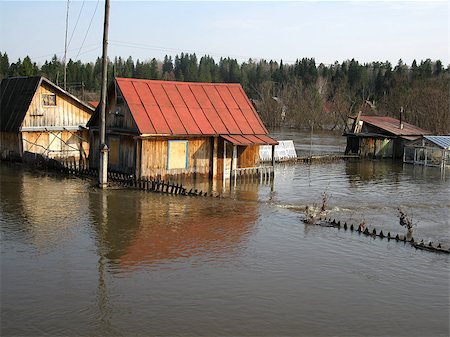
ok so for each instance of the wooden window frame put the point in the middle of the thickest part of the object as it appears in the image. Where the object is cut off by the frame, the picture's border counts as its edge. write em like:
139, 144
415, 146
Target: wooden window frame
43, 100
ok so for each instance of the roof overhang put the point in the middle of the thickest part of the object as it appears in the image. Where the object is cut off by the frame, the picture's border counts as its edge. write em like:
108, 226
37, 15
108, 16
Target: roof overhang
245, 140
368, 135
52, 128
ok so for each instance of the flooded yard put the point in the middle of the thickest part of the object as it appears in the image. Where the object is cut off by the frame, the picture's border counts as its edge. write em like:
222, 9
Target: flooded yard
78, 261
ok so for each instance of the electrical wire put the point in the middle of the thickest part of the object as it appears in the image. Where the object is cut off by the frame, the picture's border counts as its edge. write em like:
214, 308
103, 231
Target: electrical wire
89, 27
62, 52
76, 24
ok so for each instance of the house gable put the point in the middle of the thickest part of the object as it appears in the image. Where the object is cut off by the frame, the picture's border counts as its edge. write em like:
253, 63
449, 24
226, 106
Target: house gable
118, 115
51, 109
35, 103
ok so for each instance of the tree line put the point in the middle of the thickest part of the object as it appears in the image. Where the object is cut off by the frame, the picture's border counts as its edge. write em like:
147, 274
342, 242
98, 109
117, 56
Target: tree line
298, 95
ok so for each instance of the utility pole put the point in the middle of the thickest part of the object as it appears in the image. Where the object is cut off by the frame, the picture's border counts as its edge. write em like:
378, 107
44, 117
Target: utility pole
103, 167
65, 46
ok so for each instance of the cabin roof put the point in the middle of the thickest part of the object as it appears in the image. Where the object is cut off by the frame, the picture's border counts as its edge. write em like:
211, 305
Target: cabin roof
187, 108
440, 141
16, 94
392, 126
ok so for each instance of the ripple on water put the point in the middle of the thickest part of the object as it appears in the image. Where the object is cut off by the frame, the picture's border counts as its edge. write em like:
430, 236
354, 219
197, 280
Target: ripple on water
118, 262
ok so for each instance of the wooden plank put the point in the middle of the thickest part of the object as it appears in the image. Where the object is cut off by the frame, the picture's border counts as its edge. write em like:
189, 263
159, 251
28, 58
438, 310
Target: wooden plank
114, 151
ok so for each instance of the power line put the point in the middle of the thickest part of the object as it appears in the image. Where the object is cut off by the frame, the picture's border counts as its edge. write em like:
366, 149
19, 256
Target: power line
89, 27
76, 24
62, 52
171, 49
178, 50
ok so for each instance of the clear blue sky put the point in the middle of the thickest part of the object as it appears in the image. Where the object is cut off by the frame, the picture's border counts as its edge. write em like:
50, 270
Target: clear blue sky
328, 31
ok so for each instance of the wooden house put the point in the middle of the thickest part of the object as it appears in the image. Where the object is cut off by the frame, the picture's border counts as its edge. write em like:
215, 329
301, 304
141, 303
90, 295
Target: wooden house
380, 137
161, 129
428, 151
38, 118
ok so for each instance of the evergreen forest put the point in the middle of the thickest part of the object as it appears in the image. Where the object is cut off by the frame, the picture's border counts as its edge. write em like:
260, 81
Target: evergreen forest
301, 95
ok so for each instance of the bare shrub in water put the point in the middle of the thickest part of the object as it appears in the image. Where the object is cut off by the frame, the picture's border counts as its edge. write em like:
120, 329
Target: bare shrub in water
405, 220
325, 198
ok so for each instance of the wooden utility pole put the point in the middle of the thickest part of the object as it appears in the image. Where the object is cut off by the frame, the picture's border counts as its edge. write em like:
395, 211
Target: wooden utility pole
103, 167
65, 46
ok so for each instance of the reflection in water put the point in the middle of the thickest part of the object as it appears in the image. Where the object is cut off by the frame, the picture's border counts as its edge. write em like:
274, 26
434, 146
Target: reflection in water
43, 213
139, 228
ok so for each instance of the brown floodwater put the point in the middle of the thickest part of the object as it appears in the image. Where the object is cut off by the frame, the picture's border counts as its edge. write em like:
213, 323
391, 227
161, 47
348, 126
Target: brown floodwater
77, 261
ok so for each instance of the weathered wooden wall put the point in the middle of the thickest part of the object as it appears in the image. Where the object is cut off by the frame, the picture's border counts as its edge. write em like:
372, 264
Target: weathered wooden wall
120, 117
153, 158
9, 145
248, 156
121, 155
220, 157
67, 112
57, 144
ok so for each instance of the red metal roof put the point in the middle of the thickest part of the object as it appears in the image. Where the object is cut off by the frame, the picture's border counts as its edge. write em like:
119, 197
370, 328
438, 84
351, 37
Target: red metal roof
392, 125
93, 104
250, 139
182, 108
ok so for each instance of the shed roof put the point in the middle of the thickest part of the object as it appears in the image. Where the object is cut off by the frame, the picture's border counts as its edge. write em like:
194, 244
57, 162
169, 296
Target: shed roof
186, 108
441, 141
391, 125
16, 94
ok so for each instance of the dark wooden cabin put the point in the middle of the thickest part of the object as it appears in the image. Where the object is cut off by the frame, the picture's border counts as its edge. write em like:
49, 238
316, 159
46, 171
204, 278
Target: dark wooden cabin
380, 137
160, 129
38, 118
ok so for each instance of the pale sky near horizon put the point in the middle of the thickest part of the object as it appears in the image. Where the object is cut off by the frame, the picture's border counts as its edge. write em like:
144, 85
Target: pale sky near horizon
327, 31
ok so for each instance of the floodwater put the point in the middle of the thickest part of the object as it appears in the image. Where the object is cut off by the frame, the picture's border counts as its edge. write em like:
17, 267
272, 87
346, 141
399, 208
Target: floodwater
77, 261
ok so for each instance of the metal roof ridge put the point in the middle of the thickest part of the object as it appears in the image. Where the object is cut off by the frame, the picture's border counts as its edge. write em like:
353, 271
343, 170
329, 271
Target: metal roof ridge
178, 82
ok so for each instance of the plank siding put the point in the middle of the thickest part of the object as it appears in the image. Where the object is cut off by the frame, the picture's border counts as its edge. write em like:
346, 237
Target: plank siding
56, 144
153, 158
66, 113
119, 118
9, 145
248, 156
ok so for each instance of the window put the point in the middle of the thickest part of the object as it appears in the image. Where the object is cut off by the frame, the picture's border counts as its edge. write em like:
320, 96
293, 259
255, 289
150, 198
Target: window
49, 99
177, 154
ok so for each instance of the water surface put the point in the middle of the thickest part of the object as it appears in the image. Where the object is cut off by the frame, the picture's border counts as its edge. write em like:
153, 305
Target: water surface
78, 261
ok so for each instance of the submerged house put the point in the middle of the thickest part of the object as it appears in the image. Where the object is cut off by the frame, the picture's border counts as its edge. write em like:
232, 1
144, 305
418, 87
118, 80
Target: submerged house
38, 118
380, 137
160, 129
428, 151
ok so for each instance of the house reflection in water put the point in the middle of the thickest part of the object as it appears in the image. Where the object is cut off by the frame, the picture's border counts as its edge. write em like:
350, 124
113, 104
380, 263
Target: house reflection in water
369, 171
46, 210
138, 228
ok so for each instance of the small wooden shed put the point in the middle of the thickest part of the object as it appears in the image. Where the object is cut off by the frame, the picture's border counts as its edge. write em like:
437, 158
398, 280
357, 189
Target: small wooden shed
38, 118
429, 151
162, 129
380, 136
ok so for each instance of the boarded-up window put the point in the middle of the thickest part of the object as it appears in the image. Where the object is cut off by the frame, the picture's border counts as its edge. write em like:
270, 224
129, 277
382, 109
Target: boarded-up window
49, 99
177, 154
